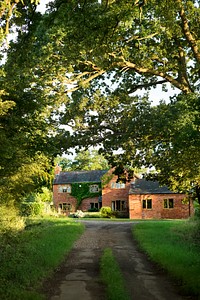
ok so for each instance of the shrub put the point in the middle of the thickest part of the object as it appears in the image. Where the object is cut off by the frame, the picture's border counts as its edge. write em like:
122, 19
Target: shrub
10, 221
106, 212
197, 209
94, 209
44, 196
31, 208
92, 215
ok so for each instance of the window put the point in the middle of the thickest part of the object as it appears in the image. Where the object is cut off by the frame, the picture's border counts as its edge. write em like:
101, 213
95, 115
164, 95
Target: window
118, 205
64, 188
118, 185
168, 203
95, 206
94, 188
65, 206
147, 204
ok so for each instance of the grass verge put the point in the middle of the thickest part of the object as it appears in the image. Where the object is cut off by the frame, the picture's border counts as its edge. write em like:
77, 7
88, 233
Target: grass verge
112, 277
31, 255
173, 245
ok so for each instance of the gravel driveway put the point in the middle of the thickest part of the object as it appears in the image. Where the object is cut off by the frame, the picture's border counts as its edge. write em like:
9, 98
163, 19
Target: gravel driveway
78, 277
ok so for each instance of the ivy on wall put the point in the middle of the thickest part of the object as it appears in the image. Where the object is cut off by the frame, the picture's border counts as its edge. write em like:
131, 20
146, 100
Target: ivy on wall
82, 191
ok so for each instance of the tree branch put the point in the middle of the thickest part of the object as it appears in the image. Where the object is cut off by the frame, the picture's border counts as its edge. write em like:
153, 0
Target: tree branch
186, 30
126, 65
145, 85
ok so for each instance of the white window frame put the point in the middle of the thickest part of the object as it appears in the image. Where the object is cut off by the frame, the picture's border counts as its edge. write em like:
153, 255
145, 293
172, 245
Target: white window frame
94, 188
64, 188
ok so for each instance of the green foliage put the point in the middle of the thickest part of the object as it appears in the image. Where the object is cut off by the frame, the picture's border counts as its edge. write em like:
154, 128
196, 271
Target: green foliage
196, 209
84, 160
106, 178
35, 203
45, 196
173, 245
106, 212
92, 215
29, 178
33, 255
94, 209
89, 160
10, 220
137, 45
11, 12
31, 208
112, 277
82, 191
173, 145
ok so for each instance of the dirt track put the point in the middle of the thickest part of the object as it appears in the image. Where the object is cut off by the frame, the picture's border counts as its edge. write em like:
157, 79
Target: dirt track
78, 277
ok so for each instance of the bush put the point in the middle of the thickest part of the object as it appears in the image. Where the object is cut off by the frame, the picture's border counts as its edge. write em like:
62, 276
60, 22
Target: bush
45, 196
31, 208
197, 210
92, 215
94, 209
10, 221
106, 212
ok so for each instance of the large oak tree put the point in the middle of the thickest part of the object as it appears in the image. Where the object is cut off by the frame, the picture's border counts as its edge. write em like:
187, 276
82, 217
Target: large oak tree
90, 56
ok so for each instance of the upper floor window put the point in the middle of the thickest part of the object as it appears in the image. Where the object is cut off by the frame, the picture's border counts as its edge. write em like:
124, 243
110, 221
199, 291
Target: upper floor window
147, 204
168, 203
94, 188
64, 188
118, 185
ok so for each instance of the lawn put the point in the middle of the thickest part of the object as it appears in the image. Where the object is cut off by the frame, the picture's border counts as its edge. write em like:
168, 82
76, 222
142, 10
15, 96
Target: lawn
28, 257
175, 246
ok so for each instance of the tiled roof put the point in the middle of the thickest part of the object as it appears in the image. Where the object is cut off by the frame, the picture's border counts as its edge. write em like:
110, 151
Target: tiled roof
79, 176
142, 186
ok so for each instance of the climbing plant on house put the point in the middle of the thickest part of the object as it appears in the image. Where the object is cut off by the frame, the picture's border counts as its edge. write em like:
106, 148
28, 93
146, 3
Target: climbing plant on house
82, 191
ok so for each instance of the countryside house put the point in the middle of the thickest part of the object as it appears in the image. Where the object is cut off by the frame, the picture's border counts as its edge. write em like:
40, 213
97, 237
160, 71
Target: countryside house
136, 199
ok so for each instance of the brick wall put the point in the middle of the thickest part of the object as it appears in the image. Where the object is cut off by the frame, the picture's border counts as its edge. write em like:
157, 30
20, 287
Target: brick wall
59, 198
135, 207
85, 204
179, 211
109, 194
63, 198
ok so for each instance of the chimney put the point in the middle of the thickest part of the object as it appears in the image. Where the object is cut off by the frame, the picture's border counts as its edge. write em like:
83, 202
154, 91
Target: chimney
57, 170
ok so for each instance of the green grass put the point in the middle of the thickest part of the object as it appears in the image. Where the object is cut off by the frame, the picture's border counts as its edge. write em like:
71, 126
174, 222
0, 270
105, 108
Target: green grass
112, 277
175, 247
31, 255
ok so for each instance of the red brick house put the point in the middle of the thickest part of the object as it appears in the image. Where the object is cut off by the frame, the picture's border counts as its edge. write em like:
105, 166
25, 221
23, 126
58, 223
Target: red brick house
139, 199
68, 186
148, 200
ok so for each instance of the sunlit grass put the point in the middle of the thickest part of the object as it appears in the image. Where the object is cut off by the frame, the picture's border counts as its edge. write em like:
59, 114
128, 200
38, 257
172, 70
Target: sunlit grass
173, 246
112, 277
30, 256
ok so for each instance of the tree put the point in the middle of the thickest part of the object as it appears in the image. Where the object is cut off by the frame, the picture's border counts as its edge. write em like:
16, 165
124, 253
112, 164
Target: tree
13, 11
174, 144
137, 44
31, 176
102, 52
28, 128
84, 160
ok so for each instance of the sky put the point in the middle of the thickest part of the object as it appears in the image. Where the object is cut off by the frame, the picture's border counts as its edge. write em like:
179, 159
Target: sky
42, 5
